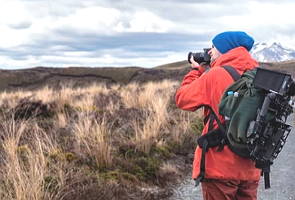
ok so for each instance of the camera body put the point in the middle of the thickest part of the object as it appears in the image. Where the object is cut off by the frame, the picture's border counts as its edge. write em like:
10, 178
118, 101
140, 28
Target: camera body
200, 57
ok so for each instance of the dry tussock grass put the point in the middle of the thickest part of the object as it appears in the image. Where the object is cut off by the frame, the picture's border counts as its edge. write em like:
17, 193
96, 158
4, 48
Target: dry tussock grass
24, 166
115, 133
93, 139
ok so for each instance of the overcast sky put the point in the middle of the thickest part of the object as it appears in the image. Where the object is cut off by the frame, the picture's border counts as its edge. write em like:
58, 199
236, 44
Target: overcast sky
145, 33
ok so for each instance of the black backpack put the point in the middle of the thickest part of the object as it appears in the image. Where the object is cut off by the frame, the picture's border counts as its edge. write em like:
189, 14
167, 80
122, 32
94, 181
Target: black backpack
255, 108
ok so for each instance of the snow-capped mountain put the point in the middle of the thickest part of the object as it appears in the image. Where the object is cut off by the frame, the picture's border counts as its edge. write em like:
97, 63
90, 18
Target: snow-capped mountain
274, 52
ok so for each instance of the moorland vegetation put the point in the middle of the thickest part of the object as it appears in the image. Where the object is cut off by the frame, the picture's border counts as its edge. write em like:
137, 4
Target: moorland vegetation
96, 142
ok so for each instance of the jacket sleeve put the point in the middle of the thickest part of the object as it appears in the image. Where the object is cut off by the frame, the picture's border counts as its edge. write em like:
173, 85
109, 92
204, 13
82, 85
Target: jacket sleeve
194, 91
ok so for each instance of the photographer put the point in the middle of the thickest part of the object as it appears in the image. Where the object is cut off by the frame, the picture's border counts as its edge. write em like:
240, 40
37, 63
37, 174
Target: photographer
226, 175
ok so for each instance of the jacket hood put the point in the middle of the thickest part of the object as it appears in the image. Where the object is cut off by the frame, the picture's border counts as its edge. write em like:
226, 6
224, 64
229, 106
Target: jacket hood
238, 58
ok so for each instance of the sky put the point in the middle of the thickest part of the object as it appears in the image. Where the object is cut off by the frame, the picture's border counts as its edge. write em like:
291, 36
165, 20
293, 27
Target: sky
119, 33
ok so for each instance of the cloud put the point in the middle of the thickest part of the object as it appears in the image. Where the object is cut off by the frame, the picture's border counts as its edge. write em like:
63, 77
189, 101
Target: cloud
141, 49
21, 25
105, 21
130, 32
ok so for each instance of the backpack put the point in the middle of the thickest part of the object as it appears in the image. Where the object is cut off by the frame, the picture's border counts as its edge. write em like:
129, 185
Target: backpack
255, 108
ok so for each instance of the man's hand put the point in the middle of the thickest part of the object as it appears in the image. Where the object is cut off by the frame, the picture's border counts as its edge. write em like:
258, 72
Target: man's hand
201, 67
194, 64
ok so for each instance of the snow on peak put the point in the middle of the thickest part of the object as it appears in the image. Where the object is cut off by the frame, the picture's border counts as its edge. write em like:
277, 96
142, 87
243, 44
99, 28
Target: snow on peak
272, 52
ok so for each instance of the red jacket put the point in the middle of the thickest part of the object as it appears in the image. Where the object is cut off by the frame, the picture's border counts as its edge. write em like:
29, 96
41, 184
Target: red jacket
198, 89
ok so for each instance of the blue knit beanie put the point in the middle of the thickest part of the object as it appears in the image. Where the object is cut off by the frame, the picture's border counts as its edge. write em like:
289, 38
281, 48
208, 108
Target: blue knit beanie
231, 39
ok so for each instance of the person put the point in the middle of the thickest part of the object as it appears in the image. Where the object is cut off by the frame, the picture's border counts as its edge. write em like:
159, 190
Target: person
227, 176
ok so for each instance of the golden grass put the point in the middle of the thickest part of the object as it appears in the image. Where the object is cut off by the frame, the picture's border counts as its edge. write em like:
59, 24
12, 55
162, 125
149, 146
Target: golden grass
61, 120
45, 94
10, 99
148, 135
93, 139
25, 166
130, 95
36, 155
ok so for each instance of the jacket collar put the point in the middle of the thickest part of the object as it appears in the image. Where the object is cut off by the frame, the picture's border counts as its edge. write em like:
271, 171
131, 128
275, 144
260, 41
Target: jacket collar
238, 57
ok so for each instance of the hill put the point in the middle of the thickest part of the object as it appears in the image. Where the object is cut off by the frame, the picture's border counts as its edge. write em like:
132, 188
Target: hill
81, 76
34, 78
285, 66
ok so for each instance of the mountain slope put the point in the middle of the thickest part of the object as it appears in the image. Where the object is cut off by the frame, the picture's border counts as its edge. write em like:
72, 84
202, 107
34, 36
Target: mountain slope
274, 52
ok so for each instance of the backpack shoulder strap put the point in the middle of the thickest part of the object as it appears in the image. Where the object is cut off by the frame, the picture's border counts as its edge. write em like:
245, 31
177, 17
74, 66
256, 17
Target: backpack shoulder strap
212, 116
233, 72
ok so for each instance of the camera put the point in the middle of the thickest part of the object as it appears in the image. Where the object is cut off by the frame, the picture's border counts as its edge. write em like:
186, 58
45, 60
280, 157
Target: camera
200, 57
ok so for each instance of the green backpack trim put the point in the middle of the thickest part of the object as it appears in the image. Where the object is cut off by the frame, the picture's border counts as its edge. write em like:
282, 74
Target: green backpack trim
239, 106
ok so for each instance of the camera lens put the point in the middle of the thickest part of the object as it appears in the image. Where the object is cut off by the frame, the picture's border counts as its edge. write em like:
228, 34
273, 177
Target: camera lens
189, 57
